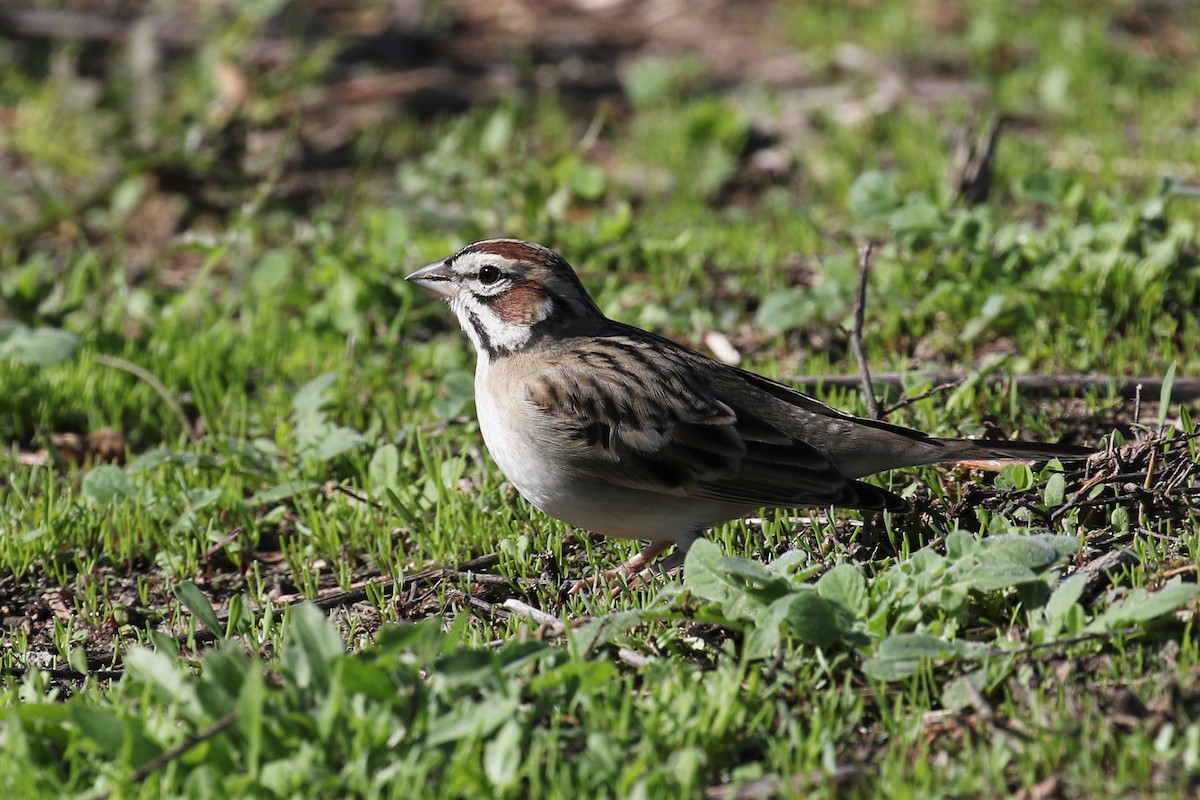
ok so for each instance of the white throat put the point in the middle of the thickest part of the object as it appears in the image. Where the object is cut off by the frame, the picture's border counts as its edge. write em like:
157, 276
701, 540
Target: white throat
491, 335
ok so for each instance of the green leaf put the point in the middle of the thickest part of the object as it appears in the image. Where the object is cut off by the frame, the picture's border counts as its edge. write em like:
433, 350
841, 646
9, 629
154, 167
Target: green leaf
1119, 518
788, 563
313, 396
311, 645
152, 459
990, 577
251, 700
115, 736
472, 720
913, 646
272, 271
237, 615
461, 667
195, 601
400, 507
127, 194
1140, 607
1017, 477
458, 387
77, 659
101, 726
384, 469
588, 183
424, 639
39, 714
813, 619
369, 679
598, 632
582, 676
497, 132
517, 654
275, 494
883, 669
502, 756
784, 310
1164, 601
750, 572
224, 671
764, 639
960, 544
873, 195
10, 330
1025, 551
168, 679
992, 308
916, 215
1062, 544
846, 586
108, 483
703, 575
1164, 395
649, 80
1065, 596
36, 347
956, 696
336, 441
1055, 491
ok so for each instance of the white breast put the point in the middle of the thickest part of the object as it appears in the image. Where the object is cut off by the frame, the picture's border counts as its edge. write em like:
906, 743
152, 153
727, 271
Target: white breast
533, 463
506, 424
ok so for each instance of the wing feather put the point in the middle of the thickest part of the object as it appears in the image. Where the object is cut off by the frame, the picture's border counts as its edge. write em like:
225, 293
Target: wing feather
684, 440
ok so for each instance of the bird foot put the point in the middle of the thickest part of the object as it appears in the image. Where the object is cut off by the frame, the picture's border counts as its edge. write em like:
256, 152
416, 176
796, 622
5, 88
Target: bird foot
634, 572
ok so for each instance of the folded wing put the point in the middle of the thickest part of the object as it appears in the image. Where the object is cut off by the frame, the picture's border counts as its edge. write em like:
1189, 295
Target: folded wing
678, 437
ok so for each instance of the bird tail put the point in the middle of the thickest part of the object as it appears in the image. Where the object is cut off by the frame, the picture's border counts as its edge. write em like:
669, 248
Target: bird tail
894, 447
868, 497
944, 450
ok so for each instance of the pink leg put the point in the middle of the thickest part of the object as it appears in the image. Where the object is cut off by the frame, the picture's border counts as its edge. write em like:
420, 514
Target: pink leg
631, 568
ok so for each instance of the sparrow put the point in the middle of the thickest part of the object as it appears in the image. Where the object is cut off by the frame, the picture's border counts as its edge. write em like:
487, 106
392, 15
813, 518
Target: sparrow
620, 432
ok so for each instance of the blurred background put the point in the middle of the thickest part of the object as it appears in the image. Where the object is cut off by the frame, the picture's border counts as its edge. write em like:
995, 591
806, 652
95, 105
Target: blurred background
710, 166
184, 112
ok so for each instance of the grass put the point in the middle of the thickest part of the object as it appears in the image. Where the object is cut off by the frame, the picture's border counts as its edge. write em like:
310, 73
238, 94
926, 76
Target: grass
221, 400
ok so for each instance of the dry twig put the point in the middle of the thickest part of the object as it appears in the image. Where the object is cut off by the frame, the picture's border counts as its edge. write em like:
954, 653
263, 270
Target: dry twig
860, 307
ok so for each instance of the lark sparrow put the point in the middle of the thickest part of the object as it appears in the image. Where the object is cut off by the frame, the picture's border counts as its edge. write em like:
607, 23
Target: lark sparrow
621, 432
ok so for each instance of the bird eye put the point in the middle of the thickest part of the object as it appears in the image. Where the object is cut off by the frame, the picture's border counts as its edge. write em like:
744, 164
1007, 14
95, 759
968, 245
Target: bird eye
488, 274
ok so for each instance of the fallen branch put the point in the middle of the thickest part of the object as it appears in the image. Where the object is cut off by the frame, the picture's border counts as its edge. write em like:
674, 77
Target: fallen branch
167, 756
1125, 386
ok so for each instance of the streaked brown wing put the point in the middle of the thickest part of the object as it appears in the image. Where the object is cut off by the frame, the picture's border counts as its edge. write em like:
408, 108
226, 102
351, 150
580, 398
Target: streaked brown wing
678, 437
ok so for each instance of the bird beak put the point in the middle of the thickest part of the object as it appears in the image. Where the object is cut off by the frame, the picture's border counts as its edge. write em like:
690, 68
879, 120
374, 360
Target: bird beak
436, 277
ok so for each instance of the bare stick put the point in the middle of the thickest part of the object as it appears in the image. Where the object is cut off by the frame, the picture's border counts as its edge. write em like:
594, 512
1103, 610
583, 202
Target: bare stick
521, 608
167, 756
358, 496
860, 307
1041, 385
908, 401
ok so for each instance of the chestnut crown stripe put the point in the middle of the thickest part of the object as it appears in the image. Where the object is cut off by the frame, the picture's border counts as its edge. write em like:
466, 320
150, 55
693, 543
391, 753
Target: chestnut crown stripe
557, 280
511, 249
